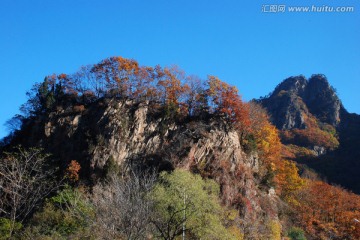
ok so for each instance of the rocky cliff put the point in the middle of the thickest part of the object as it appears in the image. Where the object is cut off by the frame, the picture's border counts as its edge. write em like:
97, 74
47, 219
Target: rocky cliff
140, 135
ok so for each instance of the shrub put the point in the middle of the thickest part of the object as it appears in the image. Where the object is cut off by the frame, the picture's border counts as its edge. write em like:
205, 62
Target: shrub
63, 215
7, 227
275, 230
296, 233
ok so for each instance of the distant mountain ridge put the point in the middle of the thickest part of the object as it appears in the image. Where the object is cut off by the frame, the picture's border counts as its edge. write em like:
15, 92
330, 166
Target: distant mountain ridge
309, 115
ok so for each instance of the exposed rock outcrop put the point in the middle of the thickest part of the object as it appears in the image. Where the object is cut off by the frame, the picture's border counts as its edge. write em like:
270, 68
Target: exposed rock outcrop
139, 134
296, 97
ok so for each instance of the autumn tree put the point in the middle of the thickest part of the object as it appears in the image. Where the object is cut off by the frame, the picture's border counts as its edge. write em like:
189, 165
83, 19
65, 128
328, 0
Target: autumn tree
143, 85
117, 75
195, 96
72, 171
287, 180
226, 101
104, 76
266, 134
126, 76
284, 174
170, 87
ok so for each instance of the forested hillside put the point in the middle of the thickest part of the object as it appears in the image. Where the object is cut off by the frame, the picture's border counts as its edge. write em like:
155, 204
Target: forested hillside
123, 151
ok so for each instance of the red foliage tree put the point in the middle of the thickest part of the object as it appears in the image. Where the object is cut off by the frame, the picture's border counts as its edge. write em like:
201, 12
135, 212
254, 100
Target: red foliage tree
72, 171
226, 101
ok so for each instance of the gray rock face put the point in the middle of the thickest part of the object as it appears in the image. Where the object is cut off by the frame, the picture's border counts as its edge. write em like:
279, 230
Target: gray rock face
127, 133
295, 85
296, 97
318, 151
132, 133
124, 132
322, 100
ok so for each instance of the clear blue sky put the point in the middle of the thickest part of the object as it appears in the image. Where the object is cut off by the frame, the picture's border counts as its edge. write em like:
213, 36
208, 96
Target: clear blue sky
233, 40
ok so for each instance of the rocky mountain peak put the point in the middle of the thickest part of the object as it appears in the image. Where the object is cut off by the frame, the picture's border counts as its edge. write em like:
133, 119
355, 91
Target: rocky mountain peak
296, 97
295, 85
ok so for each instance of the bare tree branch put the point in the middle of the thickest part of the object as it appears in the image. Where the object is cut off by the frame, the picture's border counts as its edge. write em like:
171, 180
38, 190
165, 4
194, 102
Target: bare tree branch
25, 180
123, 209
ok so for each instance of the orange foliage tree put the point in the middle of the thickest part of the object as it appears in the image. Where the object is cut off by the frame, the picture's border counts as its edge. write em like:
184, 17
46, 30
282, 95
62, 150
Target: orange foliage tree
327, 211
226, 101
195, 97
72, 171
118, 74
286, 177
170, 85
266, 134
